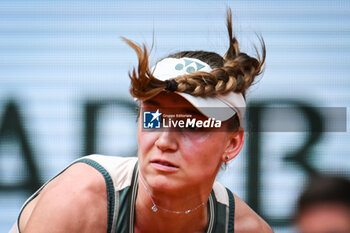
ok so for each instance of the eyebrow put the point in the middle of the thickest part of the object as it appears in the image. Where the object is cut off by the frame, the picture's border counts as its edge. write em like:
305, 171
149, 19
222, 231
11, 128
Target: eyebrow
192, 111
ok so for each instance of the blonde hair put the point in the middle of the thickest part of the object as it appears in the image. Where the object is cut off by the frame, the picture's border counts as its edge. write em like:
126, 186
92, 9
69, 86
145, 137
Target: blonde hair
236, 72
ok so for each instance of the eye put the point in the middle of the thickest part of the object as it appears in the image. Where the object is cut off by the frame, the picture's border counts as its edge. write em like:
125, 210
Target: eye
195, 133
193, 128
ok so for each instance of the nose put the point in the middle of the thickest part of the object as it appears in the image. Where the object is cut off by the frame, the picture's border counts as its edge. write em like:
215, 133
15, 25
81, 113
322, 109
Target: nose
167, 141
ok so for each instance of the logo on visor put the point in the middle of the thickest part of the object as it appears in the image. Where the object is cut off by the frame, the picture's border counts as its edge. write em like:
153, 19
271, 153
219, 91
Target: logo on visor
151, 120
189, 66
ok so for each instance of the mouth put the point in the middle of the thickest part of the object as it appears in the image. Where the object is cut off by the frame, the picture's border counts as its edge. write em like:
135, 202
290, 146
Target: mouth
164, 163
164, 166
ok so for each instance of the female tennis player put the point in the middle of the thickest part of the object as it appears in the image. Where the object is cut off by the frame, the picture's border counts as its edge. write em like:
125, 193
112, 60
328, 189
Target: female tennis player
170, 186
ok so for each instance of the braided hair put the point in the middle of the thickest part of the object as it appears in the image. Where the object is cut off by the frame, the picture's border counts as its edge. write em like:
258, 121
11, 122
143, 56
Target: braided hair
236, 71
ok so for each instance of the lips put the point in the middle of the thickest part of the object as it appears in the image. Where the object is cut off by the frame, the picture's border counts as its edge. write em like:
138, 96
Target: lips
164, 166
164, 163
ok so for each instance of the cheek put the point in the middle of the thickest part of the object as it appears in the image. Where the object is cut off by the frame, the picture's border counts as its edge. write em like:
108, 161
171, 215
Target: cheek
145, 140
190, 147
197, 137
206, 147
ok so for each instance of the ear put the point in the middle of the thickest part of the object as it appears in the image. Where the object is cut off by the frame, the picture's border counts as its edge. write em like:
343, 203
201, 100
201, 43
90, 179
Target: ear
234, 145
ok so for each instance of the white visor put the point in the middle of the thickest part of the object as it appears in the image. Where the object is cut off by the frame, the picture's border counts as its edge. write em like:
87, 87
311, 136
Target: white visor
220, 107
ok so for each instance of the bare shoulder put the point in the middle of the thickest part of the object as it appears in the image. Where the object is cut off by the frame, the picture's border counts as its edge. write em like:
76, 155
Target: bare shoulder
247, 221
72, 202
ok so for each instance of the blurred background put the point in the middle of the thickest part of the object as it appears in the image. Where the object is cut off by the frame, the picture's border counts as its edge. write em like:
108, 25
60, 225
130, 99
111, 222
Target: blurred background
64, 89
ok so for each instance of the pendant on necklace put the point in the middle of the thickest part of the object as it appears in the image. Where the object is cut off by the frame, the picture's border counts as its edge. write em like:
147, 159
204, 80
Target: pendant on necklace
154, 208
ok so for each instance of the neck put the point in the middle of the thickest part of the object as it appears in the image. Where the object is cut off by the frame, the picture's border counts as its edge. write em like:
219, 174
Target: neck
171, 215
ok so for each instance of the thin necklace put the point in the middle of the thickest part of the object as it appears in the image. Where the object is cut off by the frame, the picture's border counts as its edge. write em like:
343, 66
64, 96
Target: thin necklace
156, 207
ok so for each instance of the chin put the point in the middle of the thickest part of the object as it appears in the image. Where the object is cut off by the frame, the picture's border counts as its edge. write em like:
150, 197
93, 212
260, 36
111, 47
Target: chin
164, 183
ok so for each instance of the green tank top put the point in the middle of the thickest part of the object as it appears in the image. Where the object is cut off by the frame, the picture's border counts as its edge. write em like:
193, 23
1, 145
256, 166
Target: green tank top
120, 175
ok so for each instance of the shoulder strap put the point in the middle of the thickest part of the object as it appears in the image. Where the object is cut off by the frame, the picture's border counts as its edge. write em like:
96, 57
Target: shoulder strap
231, 215
109, 188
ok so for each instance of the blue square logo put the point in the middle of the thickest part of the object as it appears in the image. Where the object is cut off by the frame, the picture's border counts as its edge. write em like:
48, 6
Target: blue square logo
152, 120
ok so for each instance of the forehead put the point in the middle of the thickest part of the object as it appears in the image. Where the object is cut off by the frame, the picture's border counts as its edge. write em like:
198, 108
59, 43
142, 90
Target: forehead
173, 101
